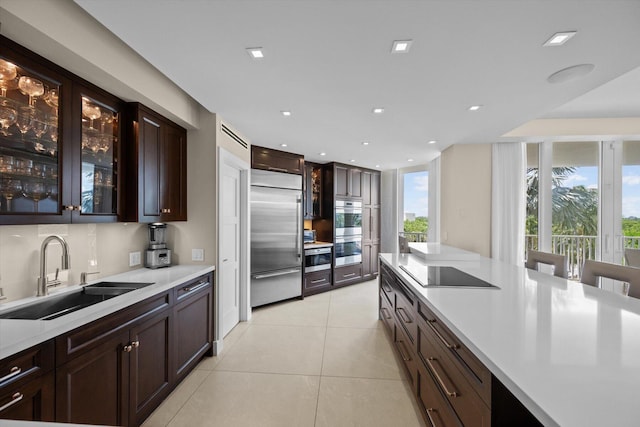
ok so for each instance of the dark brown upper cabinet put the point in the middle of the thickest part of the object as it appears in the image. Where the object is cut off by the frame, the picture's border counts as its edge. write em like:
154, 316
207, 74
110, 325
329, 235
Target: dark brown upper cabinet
348, 181
312, 191
276, 160
60, 138
156, 168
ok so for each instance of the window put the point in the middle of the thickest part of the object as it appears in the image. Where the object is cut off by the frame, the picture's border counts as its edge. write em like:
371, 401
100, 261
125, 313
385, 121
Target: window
416, 205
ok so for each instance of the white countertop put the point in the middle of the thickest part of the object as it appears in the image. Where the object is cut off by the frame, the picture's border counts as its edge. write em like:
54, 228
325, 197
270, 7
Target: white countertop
436, 251
17, 335
569, 352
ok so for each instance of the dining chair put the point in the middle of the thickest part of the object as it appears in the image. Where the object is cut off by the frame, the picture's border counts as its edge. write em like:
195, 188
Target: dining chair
623, 273
559, 262
632, 257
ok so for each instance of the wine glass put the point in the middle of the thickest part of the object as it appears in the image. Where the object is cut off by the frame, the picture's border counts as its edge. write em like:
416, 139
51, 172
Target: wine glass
52, 98
31, 87
23, 120
34, 190
8, 116
9, 188
8, 73
52, 191
39, 127
90, 111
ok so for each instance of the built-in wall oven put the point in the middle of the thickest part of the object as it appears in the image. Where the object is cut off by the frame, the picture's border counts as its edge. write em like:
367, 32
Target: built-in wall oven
348, 218
348, 250
317, 259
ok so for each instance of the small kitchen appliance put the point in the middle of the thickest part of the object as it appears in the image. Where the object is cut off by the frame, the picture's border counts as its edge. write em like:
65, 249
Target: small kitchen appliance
157, 255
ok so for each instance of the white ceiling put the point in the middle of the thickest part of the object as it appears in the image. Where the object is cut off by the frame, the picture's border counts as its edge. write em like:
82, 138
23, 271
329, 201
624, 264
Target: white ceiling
329, 62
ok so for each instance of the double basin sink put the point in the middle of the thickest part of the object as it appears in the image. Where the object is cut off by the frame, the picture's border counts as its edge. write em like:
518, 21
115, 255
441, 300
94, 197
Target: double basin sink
54, 307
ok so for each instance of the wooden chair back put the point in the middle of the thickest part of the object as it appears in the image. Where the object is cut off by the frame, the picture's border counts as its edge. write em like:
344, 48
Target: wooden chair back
594, 269
559, 262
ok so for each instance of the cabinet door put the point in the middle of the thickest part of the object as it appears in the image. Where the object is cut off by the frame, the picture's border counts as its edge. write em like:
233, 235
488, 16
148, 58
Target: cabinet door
93, 388
33, 401
366, 224
150, 141
192, 328
341, 181
96, 158
375, 189
173, 175
366, 188
149, 366
33, 128
355, 177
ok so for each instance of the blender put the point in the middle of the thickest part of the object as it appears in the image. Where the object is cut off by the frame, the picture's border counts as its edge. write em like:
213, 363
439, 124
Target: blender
157, 255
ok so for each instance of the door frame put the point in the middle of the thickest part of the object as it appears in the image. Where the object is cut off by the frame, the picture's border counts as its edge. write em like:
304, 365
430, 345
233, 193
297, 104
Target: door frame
226, 157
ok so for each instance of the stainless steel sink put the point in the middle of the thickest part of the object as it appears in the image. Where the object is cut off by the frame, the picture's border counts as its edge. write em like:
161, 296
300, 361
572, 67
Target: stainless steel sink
54, 307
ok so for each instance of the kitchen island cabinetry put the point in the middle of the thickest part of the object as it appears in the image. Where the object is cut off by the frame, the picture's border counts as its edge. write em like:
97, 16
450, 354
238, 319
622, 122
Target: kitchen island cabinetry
156, 169
27, 385
276, 160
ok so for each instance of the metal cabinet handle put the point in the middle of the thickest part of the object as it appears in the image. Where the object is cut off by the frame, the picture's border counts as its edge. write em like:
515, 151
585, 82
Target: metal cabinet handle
12, 373
430, 322
135, 344
403, 315
402, 351
127, 348
280, 273
435, 372
429, 411
324, 279
200, 285
271, 168
349, 275
385, 313
387, 288
17, 397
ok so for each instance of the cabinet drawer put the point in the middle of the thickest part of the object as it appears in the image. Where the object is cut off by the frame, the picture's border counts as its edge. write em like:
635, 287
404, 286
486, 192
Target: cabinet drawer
386, 314
406, 315
434, 405
405, 349
188, 289
84, 338
317, 281
385, 285
461, 357
30, 401
347, 274
26, 365
456, 386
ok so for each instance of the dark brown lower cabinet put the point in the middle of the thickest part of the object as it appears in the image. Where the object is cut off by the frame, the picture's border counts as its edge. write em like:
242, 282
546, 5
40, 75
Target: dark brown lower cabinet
317, 281
432, 402
33, 401
347, 275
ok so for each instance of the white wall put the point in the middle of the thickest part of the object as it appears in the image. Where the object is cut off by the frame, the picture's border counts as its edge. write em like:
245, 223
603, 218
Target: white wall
62, 32
389, 211
465, 211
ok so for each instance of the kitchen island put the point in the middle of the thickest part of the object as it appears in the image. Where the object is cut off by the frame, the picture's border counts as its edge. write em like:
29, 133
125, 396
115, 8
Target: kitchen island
568, 352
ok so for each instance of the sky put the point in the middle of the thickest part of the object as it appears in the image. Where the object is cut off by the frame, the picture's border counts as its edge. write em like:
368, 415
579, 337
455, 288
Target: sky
416, 191
588, 176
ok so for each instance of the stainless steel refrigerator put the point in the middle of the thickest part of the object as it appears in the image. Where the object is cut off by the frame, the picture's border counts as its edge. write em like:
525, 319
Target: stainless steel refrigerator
276, 236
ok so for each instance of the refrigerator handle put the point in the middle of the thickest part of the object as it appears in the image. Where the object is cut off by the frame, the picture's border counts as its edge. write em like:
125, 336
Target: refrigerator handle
298, 225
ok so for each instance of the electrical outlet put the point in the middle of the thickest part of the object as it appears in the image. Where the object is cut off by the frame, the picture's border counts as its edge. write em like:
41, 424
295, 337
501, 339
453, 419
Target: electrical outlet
134, 259
197, 254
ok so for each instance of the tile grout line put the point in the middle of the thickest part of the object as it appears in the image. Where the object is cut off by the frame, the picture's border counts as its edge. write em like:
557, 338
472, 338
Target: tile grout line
187, 399
324, 346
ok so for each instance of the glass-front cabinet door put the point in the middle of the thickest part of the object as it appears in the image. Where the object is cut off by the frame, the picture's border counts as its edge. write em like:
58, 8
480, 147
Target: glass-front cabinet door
31, 127
98, 128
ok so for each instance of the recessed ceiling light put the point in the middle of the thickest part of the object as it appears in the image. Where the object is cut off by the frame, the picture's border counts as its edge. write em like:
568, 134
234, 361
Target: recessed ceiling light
352, 161
558, 39
255, 52
570, 73
286, 113
401, 46
475, 107
283, 145
377, 166
378, 110
323, 154
432, 142
409, 160
365, 143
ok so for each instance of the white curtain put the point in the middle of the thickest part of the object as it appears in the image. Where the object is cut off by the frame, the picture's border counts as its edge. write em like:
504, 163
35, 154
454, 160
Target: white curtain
508, 202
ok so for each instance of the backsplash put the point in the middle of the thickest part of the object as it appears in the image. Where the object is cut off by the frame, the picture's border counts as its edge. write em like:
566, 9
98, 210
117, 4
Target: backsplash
93, 247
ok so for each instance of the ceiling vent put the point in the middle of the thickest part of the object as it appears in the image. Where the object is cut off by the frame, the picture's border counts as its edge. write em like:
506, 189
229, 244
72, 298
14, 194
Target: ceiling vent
235, 137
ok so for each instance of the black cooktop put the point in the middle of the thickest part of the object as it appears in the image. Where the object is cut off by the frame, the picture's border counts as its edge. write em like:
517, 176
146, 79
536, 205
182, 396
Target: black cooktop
433, 276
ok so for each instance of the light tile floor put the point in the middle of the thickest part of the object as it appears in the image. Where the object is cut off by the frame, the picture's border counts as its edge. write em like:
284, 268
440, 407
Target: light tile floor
322, 361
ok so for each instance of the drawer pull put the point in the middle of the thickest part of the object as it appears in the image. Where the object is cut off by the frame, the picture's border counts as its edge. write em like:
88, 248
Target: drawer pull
403, 315
387, 288
271, 168
440, 337
135, 344
324, 279
17, 397
195, 287
402, 353
385, 313
349, 275
12, 373
444, 387
429, 412
127, 348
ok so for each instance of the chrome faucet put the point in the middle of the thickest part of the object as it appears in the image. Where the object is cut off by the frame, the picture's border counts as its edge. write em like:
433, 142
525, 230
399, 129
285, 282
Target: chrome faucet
43, 283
